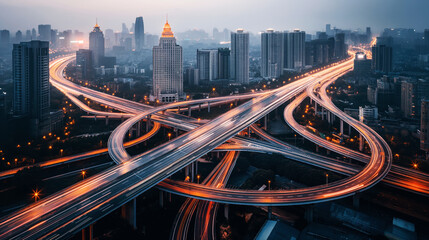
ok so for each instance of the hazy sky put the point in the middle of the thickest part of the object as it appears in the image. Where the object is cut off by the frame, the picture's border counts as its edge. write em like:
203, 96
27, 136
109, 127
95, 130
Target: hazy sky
252, 15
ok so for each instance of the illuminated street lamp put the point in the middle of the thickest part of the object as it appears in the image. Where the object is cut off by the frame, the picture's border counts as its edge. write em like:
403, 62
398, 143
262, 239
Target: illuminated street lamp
169, 136
36, 195
198, 179
415, 165
213, 89
83, 173
61, 152
269, 185
327, 175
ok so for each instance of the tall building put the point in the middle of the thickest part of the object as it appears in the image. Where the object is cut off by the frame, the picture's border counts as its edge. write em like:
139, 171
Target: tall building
207, 64
368, 34
167, 68
271, 54
239, 70
84, 61
424, 127
18, 36
44, 32
31, 84
382, 59
362, 65
192, 76
412, 93
340, 46
224, 55
139, 33
96, 45
294, 50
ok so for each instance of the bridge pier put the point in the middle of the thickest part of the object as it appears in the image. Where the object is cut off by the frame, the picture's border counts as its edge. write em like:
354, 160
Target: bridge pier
266, 122
208, 106
128, 212
148, 123
226, 211
350, 130
236, 102
161, 198
342, 127
107, 120
270, 213
323, 113
315, 107
189, 110
88, 233
139, 126
360, 142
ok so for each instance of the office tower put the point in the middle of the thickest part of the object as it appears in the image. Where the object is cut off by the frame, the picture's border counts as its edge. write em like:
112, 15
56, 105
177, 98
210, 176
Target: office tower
239, 70
294, 50
96, 45
328, 30
368, 34
28, 35
33, 34
192, 76
271, 54
125, 29
31, 84
362, 65
424, 127
224, 55
382, 59
340, 46
4, 37
139, 33
426, 39
18, 36
207, 64
45, 32
167, 68
109, 38
84, 61
412, 93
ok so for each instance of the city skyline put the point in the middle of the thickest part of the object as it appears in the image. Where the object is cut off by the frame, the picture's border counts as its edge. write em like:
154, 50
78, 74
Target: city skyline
280, 15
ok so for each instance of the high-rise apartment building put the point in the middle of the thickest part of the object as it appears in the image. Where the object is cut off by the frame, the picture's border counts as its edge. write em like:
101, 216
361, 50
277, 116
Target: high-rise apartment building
271, 54
207, 64
294, 50
44, 32
167, 68
224, 55
424, 127
239, 70
139, 33
382, 59
31, 84
96, 45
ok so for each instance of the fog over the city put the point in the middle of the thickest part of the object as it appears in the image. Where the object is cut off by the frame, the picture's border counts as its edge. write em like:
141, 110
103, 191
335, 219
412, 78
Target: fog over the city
310, 15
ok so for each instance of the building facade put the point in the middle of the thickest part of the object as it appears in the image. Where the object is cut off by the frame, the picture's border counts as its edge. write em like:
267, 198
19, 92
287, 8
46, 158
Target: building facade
207, 64
239, 70
167, 68
139, 33
271, 54
31, 85
96, 45
294, 50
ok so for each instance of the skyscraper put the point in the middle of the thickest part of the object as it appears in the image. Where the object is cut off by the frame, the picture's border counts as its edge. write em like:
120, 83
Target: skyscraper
207, 64
424, 127
96, 45
382, 58
31, 84
84, 61
45, 32
271, 54
340, 46
139, 33
167, 68
224, 55
239, 70
294, 49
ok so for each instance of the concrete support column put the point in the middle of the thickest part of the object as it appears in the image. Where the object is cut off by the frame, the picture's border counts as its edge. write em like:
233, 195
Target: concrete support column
248, 131
88, 233
361, 141
192, 172
139, 127
236, 102
270, 213
208, 106
323, 113
328, 115
350, 130
187, 171
317, 148
226, 211
128, 212
342, 127
315, 108
148, 123
189, 111
308, 215
107, 120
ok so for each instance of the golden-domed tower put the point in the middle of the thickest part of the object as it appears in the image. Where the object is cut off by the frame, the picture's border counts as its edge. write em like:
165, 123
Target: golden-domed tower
167, 68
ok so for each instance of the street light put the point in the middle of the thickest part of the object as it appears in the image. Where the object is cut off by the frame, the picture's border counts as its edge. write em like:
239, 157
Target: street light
169, 136
269, 185
61, 152
83, 172
36, 195
327, 175
198, 179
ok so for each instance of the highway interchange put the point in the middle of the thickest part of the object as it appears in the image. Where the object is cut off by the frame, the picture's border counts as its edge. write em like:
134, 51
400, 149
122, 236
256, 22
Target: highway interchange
66, 212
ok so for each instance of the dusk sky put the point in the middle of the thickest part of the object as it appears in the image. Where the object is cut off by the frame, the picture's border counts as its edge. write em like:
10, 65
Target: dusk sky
308, 15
